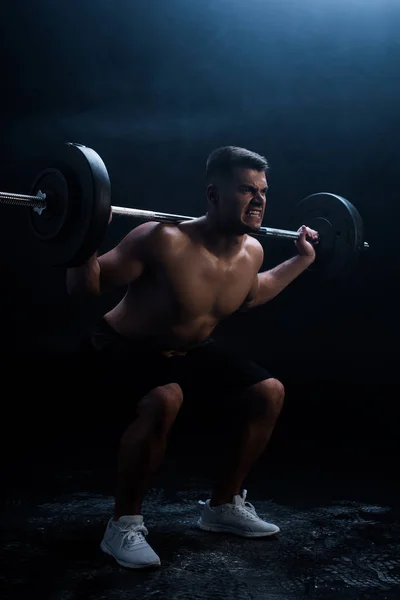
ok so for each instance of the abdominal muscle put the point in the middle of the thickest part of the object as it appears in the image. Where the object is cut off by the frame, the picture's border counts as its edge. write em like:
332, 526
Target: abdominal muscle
147, 319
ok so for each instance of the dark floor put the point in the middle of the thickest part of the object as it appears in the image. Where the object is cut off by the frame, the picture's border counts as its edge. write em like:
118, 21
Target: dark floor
329, 479
340, 536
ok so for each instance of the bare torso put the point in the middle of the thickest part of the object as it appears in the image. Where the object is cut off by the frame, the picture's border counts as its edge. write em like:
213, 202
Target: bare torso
186, 287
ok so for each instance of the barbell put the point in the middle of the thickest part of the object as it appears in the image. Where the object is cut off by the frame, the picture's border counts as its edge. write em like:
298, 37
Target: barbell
70, 205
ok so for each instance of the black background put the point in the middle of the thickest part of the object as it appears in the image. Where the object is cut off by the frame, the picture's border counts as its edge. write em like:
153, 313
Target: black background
154, 87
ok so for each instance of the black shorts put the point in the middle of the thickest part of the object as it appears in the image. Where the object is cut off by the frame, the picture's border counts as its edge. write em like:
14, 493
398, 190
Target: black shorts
208, 368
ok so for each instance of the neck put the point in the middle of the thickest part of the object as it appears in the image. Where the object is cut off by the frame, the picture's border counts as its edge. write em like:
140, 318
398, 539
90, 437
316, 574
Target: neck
219, 241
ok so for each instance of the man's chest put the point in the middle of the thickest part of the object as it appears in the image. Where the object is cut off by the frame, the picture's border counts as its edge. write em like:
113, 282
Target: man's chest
199, 283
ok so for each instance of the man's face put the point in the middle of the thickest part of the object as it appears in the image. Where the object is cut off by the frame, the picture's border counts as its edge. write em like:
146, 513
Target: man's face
241, 201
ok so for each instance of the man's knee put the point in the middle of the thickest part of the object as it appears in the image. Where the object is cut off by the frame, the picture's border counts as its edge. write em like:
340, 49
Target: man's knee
266, 398
163, 402
274, 390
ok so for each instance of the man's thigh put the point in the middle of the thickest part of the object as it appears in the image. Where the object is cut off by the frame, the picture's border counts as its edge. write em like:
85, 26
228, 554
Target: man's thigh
220, 375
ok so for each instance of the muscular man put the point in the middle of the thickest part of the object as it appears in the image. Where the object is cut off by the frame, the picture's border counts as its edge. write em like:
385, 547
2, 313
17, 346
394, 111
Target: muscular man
181, 280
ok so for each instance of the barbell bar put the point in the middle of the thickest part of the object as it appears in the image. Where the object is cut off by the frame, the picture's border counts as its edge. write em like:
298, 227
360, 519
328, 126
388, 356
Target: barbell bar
70, 204
38, 203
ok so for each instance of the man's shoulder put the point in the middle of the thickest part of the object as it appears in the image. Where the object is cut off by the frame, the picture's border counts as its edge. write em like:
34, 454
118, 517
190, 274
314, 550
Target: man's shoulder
142, 240
152, 232
162, 239
254, 248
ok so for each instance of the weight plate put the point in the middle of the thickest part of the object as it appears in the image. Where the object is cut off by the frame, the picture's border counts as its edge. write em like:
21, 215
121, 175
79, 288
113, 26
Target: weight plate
75, 221
341, 233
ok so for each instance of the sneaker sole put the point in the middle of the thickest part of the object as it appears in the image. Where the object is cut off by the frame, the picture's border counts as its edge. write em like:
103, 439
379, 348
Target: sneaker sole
107, 550
226, 529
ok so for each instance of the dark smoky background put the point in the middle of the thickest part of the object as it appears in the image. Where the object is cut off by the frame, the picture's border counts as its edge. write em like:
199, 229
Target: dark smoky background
153, 87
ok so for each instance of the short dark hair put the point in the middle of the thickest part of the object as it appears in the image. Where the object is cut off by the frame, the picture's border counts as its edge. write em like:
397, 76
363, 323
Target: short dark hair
222, 161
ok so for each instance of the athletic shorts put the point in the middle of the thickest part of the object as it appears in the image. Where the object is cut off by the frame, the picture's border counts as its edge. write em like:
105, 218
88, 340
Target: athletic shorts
208, 368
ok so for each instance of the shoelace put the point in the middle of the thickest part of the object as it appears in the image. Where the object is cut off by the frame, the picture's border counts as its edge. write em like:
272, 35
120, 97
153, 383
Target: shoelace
250, 508
246, 505
135, 533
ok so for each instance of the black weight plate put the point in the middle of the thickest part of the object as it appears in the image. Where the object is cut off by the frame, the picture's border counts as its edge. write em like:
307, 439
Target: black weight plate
86, 201
341, 233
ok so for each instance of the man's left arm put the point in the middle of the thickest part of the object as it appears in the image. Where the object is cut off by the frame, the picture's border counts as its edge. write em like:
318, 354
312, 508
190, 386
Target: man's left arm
272, 282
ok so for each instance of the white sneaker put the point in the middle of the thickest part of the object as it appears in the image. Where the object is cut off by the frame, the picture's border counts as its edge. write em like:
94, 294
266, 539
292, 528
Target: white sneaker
125, 541
239, 517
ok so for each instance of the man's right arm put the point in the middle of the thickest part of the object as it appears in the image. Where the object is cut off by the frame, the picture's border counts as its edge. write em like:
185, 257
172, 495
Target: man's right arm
118, 267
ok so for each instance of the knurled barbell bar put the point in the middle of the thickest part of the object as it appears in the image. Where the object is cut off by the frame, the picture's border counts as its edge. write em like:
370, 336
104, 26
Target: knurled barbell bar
70, 207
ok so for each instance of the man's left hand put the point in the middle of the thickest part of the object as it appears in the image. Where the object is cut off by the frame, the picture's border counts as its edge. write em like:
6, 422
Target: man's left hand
304, 245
